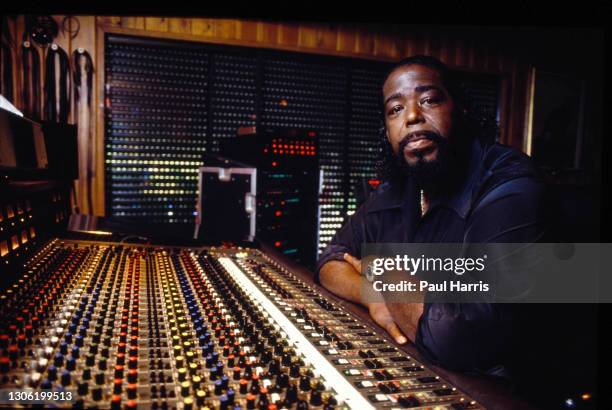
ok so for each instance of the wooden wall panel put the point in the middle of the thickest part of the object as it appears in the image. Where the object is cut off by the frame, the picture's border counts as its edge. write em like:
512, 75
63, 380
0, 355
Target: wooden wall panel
87, 39
386, 46
226, 29
327, 37
16, 44
346, 39
266, 33
288, 35
365, 43
136, 23
156, 24
248, 30
179, 25
202, 27
307, 36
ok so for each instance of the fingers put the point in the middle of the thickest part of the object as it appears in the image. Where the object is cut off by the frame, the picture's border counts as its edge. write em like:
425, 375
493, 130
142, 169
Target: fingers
396, 333
355, 263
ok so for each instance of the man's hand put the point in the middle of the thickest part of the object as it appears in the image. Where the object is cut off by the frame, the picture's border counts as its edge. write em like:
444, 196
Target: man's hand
378, 310
381, 315
355, 263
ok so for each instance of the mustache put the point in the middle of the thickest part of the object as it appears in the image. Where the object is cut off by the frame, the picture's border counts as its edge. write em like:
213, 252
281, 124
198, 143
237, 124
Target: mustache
430, 135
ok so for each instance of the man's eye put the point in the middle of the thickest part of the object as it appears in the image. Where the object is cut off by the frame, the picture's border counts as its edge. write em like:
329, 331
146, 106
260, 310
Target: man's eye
431, 100
395, 109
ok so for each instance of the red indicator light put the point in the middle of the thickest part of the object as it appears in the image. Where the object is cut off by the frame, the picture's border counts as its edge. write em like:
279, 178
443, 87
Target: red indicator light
312, 134
278, 213
274, 163
374, 182
277, 244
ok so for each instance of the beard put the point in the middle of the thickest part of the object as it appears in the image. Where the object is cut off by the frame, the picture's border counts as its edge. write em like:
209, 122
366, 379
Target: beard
430, 173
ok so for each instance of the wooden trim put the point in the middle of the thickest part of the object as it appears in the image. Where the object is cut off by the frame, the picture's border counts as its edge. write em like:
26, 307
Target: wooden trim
162, 35
530, 94
240, 43
99, 182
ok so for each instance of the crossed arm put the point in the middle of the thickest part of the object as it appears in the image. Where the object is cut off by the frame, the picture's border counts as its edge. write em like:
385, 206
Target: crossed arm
343, 278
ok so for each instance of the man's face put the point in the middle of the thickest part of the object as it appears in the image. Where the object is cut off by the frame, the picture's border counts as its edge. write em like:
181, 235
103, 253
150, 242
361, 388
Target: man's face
418, 115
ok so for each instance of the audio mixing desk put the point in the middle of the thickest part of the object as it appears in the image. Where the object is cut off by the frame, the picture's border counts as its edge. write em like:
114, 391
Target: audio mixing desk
111, 325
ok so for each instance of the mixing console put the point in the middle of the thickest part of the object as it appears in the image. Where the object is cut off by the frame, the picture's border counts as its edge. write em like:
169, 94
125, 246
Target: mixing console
115, 326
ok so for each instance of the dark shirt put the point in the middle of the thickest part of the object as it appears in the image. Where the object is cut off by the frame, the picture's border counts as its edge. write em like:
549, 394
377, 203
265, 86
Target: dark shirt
496, 198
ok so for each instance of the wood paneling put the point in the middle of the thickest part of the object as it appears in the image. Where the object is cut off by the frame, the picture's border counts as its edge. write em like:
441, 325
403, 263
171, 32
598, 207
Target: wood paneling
177, 25
202, 27
365, 43
156, 24
137, 23
266, 33
346, 39
288, 35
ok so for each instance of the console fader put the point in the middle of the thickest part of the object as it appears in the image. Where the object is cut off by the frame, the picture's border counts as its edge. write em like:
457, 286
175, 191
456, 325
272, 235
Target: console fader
145, 327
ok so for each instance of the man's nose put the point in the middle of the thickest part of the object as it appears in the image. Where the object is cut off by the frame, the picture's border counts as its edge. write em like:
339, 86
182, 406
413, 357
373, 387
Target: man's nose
414, 114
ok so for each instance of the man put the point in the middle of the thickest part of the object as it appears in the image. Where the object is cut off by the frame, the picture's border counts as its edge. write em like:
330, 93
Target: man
443, 183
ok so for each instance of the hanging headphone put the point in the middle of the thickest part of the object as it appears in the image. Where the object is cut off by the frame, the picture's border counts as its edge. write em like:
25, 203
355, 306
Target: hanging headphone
42, 29
57, 84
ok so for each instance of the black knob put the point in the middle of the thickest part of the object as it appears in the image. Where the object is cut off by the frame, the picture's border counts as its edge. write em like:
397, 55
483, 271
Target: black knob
282, 380
132, 376
315, 398
83, 388
266, 356
295, 370
70, 363
243, 386
305, 383
218, 387
291, 395
58, 360
274, 367
65, 378
117, 386
286, 361
52, 371
97, 394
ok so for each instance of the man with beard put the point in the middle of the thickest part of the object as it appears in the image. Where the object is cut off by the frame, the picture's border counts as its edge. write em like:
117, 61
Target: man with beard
443, 183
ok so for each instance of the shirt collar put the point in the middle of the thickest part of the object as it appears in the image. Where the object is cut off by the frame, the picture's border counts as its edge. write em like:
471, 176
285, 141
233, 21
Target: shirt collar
397, 195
